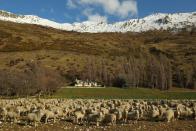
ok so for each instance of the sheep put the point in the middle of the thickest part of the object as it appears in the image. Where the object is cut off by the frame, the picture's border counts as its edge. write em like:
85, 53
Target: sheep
194, 111
21, 110
141, 113
49, 115
95, 118
68, 111
185, 113
169, 115
97, 111
35, 117
162, 111
124, 115
79, 115
110, 119
104, 110
12, 116
134, 115
180, 107
59, 112
3, 113
119, 116
155, 113
111, 105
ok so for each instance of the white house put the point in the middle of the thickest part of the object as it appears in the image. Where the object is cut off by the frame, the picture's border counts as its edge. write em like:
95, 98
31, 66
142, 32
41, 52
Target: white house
87, 83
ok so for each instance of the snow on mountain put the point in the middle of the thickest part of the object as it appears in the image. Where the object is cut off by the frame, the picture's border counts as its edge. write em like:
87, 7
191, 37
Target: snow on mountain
153, 22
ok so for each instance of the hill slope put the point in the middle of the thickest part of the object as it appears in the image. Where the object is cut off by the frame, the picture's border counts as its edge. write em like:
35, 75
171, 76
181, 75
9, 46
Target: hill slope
71, 52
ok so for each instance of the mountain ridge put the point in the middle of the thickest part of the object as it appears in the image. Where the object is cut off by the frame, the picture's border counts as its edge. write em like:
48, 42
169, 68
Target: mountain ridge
158, 21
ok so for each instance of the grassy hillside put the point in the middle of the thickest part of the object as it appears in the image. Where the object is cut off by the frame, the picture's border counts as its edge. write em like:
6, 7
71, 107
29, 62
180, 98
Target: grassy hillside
63, 50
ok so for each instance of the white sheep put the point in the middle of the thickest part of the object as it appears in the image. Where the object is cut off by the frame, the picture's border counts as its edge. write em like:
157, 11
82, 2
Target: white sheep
13, 116
119, 116
96, 111
95, 118
3, 113
155, 113
35, 117
134, 115
79, 115
125, 115
49, 115
59, 112
169, 115
162, 112
194, 111
185, 113
104, 110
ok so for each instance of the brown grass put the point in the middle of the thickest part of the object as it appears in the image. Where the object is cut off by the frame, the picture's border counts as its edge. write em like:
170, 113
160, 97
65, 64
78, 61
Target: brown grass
62, 49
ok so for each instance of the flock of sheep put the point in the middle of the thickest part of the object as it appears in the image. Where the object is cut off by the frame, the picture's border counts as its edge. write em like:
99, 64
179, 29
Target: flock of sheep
94, 112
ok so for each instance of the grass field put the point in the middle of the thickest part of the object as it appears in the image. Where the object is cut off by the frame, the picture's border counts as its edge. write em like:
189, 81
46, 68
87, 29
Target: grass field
116, 93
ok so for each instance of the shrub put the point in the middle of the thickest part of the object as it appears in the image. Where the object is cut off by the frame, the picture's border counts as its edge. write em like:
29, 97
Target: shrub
119, 82
33, 78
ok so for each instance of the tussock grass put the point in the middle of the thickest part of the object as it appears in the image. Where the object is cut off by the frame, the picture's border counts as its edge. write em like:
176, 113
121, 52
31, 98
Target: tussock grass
63, 50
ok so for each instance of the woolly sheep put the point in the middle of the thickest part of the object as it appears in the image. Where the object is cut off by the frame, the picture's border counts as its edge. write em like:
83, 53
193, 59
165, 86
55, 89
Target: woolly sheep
155, 113
12, 116
119, 116
124, 115
3, 113
79, 115
49, 115
110, 119
35, 117
95, 118
134, 115
185, 113
169, 115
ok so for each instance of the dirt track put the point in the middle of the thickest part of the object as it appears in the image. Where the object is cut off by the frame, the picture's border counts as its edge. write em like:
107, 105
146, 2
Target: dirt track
140, 125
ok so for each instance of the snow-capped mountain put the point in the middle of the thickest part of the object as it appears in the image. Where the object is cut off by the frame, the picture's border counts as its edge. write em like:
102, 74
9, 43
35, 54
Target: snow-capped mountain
153, 22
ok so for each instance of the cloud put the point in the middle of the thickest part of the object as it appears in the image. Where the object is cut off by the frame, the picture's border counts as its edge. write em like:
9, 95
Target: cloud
71, 4
94, 17
128, 7
97, 18
114, 7
119, 8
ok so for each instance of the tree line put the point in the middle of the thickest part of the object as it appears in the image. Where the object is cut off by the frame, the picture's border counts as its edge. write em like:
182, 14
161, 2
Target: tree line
32, 79
144, 71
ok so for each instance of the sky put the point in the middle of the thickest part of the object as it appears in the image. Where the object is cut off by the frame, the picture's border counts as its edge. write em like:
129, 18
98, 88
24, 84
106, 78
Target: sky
70, 11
